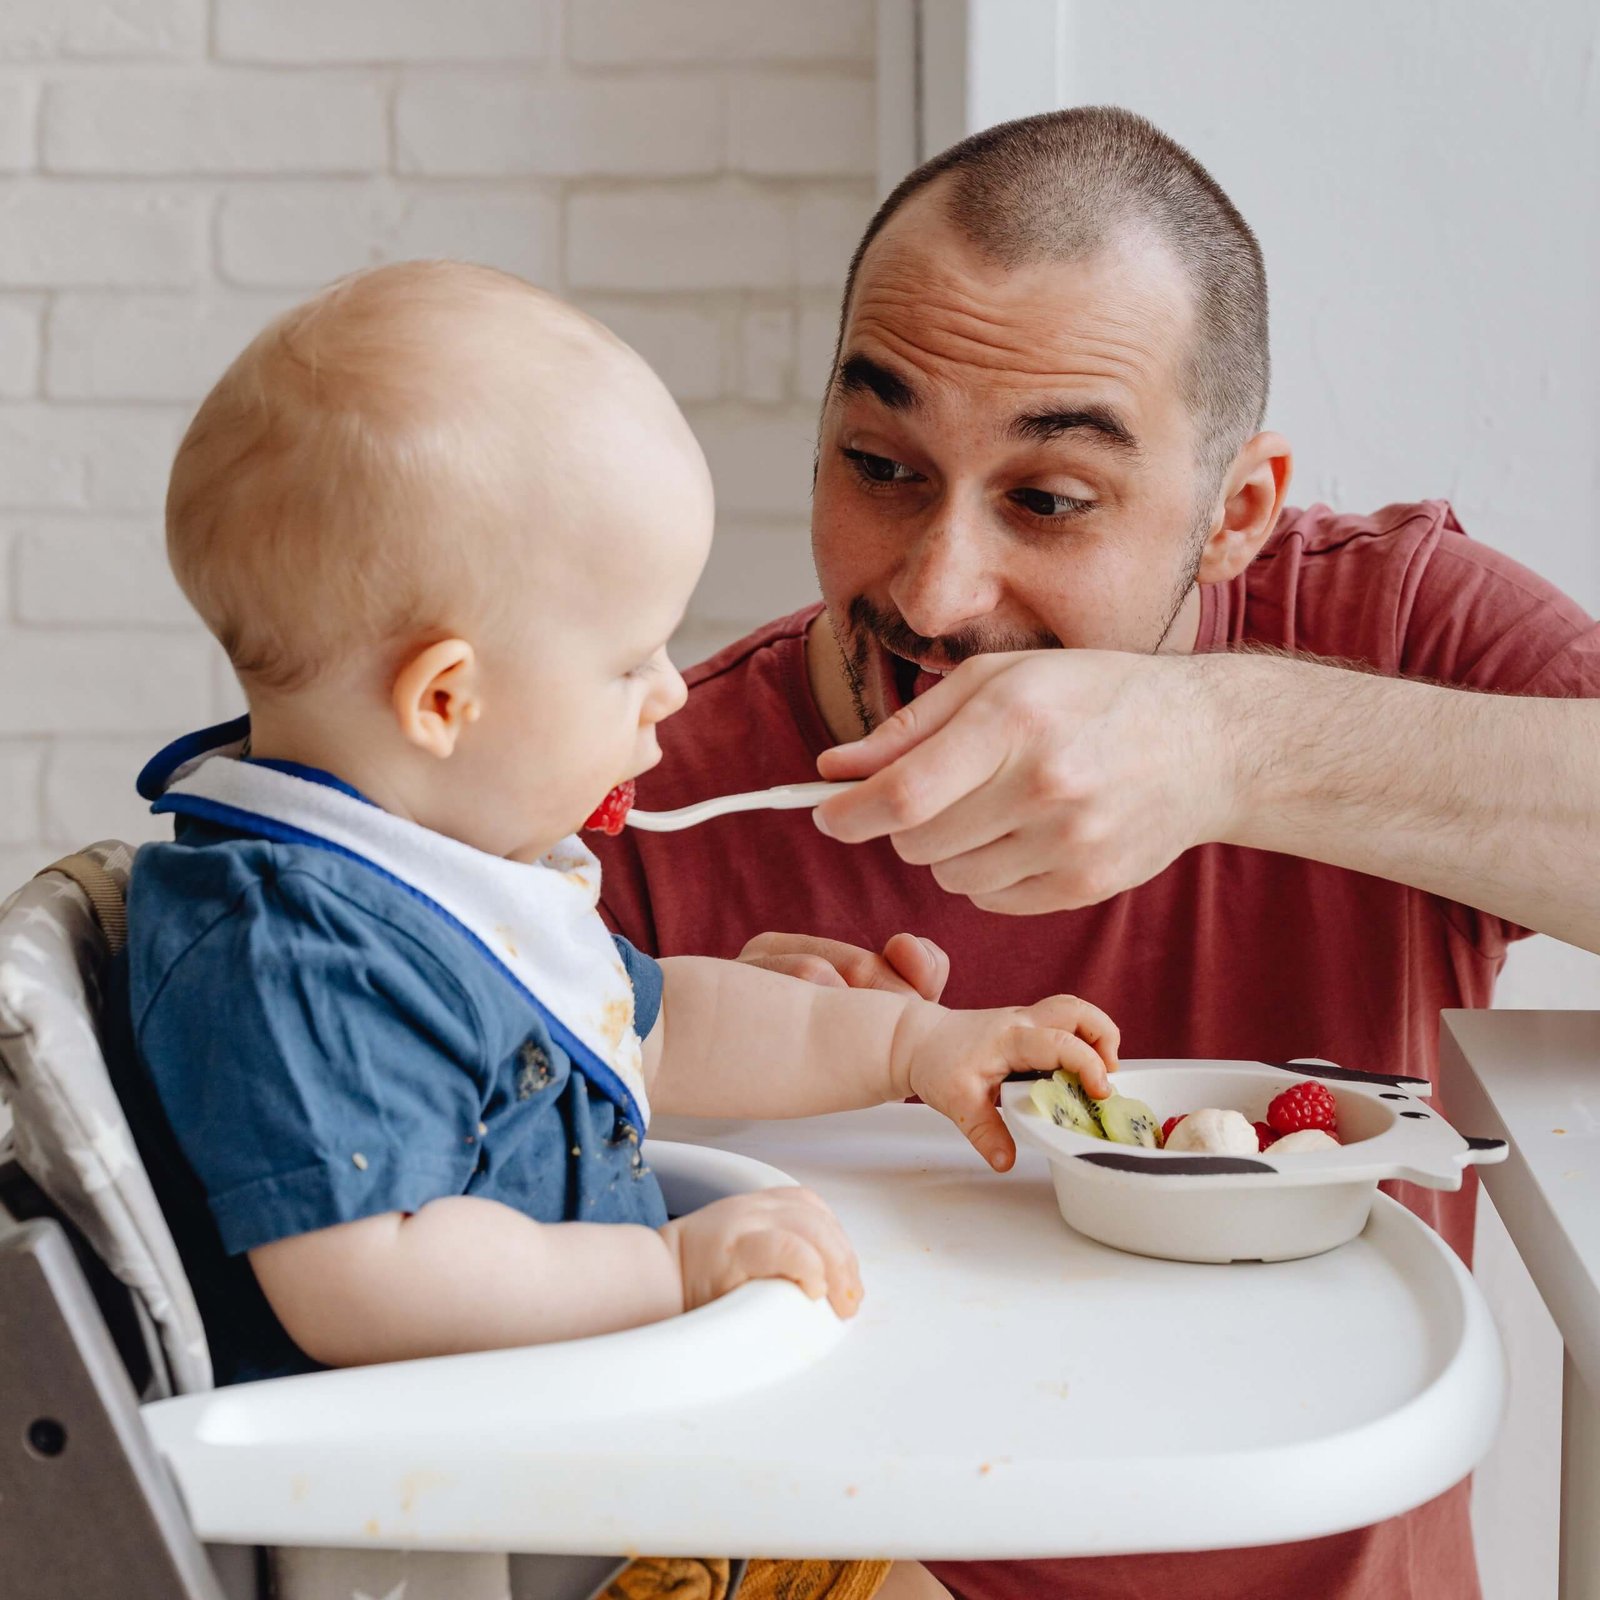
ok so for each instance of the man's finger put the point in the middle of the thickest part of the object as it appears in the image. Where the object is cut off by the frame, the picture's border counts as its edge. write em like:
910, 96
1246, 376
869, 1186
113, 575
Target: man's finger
1035, 896
961, 756
910, 725
796, 955
809, 969
920, 962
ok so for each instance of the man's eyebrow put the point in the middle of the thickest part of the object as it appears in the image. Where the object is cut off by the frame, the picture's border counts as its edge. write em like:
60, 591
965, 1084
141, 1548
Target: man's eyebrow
863, 375
1099, 421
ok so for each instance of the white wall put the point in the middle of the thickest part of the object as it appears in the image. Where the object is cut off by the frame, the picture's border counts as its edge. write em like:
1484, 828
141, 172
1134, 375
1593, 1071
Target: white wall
1426, 184
172, 172
696, 171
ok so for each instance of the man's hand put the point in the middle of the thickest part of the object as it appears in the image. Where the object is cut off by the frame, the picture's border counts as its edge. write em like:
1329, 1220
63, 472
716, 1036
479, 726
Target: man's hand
957, 1060
1043, 779
773, 1233
908, 965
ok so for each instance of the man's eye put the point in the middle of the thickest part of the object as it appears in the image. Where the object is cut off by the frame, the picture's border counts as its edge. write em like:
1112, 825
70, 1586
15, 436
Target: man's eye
878, 469
1044, 504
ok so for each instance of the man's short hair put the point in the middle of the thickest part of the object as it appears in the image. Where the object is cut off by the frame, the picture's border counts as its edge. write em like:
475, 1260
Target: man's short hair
1065, 184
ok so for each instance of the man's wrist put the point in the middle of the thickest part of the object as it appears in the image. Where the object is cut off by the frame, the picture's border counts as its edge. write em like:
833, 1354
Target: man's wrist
1229, 691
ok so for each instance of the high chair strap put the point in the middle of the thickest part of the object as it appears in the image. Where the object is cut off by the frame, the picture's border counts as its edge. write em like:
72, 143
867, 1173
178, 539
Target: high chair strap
104, 892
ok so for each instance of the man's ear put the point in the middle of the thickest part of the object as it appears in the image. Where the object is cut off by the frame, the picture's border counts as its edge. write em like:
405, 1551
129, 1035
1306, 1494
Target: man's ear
435, 696
1252, 496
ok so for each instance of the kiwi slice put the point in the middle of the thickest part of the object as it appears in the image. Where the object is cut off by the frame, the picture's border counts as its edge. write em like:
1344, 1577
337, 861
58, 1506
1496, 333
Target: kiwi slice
1128, 1121
1063, 1101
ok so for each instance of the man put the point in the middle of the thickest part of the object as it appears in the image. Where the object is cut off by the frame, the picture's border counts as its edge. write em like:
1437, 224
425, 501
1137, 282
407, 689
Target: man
1044, 431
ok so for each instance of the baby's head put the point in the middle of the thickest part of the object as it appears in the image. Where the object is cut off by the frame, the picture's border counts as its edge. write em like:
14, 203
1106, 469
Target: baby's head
444, 525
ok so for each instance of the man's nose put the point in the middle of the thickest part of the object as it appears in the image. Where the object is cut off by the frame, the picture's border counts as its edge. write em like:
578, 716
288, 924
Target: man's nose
945, 581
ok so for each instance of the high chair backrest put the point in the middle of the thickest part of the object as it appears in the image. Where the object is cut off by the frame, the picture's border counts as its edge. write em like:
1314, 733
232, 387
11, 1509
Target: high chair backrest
58, 934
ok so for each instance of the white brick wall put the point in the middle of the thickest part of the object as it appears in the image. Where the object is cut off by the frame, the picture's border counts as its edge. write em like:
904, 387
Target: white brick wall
104, 30
174, 172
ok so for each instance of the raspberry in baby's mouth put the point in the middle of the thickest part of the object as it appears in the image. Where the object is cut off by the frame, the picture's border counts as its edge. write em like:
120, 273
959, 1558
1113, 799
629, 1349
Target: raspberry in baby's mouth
611, 814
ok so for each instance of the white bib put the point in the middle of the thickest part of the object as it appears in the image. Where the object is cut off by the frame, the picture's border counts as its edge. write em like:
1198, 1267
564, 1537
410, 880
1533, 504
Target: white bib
538, 921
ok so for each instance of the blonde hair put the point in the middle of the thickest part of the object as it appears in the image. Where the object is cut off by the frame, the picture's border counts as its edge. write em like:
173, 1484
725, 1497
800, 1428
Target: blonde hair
321, 499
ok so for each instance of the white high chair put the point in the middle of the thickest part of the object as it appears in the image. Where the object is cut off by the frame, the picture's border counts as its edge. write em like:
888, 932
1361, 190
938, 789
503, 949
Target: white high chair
414, 1481
97, 1320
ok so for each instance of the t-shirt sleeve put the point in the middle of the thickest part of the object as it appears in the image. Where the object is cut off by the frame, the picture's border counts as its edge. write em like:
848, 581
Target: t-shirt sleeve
1479, 619
1483, 621
644, 973
317, 1065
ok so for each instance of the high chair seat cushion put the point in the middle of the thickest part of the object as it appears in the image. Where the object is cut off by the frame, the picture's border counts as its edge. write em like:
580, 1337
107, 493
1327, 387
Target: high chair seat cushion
69, 1131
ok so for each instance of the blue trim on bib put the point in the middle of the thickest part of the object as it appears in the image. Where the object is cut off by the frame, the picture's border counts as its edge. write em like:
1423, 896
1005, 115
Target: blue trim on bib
157, 771
298, 769
248, 822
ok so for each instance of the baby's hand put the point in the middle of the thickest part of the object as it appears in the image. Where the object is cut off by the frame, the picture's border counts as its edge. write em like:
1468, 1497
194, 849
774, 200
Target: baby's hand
959, 1059
773, 1233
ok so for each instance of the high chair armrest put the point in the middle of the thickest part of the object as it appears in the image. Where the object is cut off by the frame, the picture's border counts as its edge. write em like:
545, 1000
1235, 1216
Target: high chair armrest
416, 1465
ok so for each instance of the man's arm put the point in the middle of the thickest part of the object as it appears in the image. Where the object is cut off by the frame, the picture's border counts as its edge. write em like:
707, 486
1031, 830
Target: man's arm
1490, 800
1050, 779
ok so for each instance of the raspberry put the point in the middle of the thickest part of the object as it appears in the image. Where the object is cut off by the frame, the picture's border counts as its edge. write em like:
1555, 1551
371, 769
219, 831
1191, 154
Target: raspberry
1264, 1134
611, 813
1304, 1105
1168, 1126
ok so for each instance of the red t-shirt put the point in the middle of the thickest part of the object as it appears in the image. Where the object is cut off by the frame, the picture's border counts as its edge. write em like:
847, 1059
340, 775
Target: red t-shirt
1229, 952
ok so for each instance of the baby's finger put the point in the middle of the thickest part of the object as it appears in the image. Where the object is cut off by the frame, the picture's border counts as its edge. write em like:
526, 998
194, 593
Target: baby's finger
818, 1226
991, 1138
780, 1253
1041, 1049
1087, 1021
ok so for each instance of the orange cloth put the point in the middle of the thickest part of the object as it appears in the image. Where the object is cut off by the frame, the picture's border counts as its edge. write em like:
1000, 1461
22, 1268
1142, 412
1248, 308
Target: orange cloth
686, 1578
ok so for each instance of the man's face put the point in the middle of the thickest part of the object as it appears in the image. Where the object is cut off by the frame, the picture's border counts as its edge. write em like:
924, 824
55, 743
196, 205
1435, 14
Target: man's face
1006, 461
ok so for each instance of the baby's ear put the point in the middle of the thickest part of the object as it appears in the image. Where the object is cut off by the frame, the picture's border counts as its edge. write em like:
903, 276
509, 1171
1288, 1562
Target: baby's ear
435, 696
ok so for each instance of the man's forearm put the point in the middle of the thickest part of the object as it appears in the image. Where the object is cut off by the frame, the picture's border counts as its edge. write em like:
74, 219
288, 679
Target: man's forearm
740, 1041
1490, 800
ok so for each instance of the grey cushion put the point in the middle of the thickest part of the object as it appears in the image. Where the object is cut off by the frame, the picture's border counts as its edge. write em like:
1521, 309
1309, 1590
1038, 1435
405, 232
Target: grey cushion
69, 1133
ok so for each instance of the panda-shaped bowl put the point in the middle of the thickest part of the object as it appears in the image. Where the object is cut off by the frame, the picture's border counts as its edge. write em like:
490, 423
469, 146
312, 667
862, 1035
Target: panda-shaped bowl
1200, 1207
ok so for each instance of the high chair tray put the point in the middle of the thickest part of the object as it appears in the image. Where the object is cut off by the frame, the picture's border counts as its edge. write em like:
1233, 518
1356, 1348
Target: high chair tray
1008, 1389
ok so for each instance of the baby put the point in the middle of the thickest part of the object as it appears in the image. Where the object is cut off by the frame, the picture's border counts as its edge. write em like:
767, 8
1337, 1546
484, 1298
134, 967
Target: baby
395, 1072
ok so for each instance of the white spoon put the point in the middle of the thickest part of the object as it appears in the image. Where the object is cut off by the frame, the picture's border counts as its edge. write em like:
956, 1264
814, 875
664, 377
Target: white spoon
786, 797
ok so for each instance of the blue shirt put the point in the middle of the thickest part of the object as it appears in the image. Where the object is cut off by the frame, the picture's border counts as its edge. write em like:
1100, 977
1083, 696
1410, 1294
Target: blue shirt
312, 1044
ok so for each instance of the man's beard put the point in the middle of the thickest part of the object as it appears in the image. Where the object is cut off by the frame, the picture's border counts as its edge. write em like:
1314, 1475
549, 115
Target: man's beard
1186, 582
866, 623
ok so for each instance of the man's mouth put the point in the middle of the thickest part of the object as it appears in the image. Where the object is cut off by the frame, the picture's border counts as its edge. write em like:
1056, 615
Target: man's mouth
909, 678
